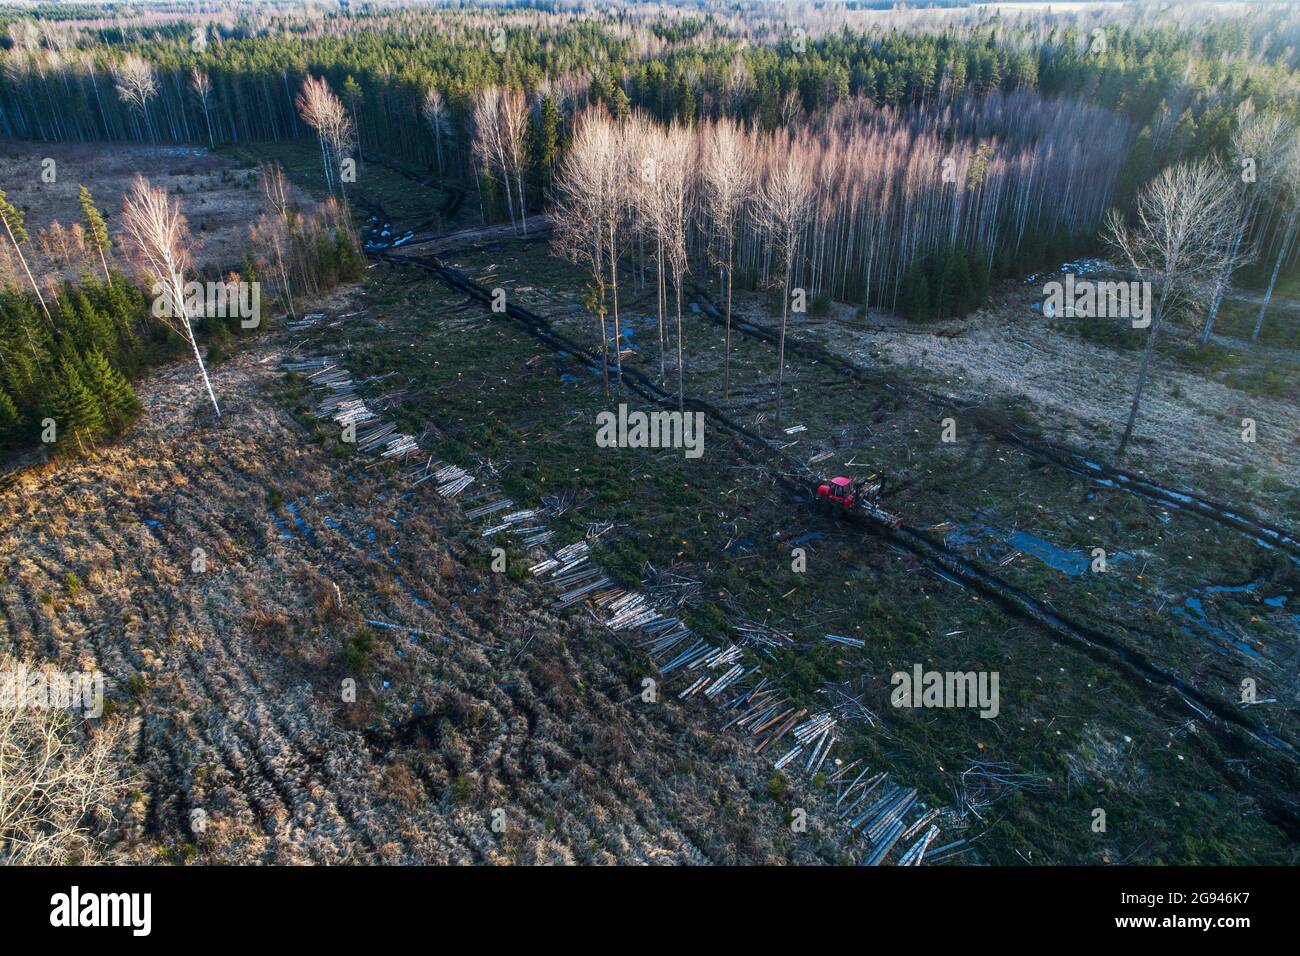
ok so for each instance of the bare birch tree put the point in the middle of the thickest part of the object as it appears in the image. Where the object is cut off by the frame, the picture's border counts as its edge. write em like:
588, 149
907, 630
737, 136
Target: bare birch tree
435, 116
1288, 180
675, 178
1180, 237
158, 237
136, 86
489, 147
513, 122
784, 205
584, 191
273, 231
201, 87
645, 146
1258, 146
324, 112
727, 183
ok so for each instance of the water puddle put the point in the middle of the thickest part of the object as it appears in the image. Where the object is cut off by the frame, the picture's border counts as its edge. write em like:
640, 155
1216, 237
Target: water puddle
992, 543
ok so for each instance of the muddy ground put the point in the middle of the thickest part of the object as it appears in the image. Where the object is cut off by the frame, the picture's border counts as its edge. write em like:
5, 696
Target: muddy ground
1197, 601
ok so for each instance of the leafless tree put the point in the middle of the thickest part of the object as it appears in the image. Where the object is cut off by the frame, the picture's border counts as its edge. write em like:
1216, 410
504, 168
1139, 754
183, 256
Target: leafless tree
324, 112
676, 180
272, 231
784, 206
435, 115
646, 140
53, 781
1258, 148
514, 143
585, 191
487, 146
1288, 185
25, 35
728, 180
136, 86
158, 238
500, 122
201, 87
1180, 237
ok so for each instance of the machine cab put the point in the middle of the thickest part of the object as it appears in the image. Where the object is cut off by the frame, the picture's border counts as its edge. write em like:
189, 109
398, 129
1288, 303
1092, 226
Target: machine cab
838, 490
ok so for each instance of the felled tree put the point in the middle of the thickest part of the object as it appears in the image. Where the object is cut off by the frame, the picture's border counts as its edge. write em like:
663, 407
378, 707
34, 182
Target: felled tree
158, 237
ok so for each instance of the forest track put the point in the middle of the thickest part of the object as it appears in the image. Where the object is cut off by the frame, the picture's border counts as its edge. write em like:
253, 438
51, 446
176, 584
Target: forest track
1273, 537
1270, 536
1135, 667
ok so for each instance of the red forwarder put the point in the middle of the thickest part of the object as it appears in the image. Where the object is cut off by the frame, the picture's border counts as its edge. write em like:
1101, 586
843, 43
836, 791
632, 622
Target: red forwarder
844, 494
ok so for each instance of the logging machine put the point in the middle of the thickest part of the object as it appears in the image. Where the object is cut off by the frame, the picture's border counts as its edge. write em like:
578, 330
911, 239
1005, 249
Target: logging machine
845, 494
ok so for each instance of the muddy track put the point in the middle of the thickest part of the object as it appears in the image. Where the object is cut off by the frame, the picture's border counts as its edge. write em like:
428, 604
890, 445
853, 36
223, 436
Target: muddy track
1272, 537
1138, 669
1269, 536
455, 196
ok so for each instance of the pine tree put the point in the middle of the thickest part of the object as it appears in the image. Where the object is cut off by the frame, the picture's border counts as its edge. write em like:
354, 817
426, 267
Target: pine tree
684, 101
351, 264
546, 144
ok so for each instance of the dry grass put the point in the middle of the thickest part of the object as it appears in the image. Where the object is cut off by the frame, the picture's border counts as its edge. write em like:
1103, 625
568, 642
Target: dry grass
219, 199
232, 677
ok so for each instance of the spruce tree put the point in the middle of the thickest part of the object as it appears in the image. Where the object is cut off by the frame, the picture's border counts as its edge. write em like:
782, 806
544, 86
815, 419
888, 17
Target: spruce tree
9, 420
958, 286
96, 227
916, 295
117, 400
77, 411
